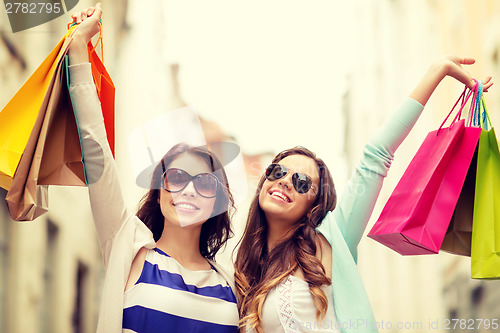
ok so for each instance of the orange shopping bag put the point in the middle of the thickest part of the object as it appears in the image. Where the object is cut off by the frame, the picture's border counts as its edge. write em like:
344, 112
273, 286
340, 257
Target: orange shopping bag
27, 198
18, 117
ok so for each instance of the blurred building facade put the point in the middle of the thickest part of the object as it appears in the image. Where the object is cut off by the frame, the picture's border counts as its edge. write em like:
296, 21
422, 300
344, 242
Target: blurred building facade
50, 269
480, 35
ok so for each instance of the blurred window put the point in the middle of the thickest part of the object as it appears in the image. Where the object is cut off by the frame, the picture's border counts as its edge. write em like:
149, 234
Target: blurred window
79, 307
453, 314
477, 295
47, 305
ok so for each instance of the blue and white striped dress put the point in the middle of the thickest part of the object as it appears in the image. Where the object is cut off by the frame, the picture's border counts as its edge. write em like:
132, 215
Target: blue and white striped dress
170, 298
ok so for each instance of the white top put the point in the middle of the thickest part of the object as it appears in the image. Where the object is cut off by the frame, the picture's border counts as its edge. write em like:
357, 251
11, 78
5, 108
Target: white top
289, 308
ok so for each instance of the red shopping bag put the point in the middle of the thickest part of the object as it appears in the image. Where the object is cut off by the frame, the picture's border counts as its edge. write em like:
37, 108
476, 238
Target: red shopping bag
416, 216
459, 234
105, 91
105, 88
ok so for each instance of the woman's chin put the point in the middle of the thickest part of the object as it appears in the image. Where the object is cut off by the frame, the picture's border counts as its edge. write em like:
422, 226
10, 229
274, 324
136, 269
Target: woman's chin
187, 221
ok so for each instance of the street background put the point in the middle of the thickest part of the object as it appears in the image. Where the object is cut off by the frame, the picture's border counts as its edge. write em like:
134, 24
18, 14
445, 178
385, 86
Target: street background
268, 75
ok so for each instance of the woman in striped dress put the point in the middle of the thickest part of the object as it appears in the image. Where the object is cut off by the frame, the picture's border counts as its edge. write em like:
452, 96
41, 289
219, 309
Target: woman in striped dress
160, 273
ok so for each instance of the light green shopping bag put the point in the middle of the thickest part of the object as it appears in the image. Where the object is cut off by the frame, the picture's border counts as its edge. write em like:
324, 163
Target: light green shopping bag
485, 246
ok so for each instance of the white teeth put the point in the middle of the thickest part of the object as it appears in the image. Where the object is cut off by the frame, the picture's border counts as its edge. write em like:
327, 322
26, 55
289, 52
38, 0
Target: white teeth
185, 206
280, 195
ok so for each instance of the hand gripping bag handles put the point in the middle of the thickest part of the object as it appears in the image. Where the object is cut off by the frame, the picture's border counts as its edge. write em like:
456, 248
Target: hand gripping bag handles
485, 247
416, 216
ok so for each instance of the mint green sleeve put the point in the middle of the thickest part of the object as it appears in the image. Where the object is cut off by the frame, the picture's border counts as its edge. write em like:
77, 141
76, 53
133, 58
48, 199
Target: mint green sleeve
358, 199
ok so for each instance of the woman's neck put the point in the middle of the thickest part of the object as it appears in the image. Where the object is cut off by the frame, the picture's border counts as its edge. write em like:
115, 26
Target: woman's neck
276, 232
183, 244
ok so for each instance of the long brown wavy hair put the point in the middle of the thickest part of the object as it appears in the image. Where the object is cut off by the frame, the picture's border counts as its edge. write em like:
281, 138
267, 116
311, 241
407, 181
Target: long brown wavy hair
217, 229
258, 270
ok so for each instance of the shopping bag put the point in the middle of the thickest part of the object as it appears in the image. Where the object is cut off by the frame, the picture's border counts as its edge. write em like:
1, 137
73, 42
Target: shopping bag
105, 91
459, 234
18, 117
26, 200
61, 155
53, 153
418, 212
62, 158
485, 246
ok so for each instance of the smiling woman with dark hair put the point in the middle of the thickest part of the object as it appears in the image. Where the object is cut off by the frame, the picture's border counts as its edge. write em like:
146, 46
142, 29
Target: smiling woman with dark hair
216, 230
160, 273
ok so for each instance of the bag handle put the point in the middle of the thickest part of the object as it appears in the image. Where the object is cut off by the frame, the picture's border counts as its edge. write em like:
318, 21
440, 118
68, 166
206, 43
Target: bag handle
486, 116
478, 118
479, 96
90, 42
97, 43
464, 97
475, 107
483, 118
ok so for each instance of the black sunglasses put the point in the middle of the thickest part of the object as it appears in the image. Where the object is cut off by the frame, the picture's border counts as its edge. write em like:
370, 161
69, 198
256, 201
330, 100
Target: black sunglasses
175, 180
301, 182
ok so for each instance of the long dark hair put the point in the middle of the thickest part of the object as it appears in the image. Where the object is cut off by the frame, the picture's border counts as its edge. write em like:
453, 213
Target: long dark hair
258, 270
217, 229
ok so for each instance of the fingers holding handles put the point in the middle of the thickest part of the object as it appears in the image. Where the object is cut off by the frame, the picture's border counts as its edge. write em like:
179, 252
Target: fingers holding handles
87, 20
78, 17
487, 83
456, 71
88, 26
448, 66
452, 66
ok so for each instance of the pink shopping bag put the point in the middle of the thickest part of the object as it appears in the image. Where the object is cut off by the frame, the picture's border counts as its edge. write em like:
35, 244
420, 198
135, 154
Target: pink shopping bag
416, 216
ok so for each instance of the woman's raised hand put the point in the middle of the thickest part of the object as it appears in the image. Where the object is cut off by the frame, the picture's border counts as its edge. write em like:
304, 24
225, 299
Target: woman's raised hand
88, 26
453, 67
447, 66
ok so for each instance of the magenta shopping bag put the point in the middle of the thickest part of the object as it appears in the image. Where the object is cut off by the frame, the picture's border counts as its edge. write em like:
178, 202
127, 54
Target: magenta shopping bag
416, 216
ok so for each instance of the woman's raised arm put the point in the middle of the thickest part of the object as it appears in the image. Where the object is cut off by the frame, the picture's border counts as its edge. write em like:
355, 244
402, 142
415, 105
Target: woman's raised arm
106, 199
358, 198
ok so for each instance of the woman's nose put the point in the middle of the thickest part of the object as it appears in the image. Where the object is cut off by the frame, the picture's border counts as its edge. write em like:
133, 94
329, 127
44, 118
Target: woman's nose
286, 181
189, 190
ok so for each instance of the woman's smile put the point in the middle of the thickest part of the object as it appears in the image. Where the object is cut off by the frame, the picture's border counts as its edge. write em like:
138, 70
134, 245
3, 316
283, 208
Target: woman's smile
280, 196
184, 206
